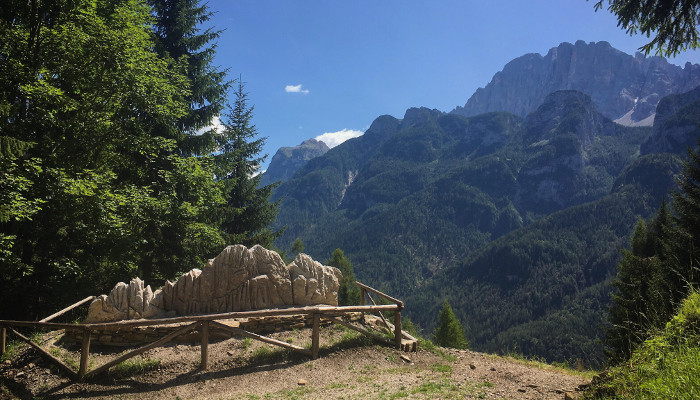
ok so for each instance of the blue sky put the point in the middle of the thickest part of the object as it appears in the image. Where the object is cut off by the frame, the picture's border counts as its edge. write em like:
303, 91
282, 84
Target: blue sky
315, 67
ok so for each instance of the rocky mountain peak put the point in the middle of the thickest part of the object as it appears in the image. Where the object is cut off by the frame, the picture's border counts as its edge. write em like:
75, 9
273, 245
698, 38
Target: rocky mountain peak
625, 88
288, 160
562, 112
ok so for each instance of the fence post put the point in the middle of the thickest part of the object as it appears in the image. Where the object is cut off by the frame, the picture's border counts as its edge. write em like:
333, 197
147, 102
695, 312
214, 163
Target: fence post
363, 294
315, 333
205, 344
3, 337
84, 354
397, 328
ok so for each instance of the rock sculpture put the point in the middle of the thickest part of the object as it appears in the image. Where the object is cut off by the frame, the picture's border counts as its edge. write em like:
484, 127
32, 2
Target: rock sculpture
237, 279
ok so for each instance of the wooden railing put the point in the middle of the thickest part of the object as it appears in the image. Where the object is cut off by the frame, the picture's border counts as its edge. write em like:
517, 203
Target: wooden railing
203, 323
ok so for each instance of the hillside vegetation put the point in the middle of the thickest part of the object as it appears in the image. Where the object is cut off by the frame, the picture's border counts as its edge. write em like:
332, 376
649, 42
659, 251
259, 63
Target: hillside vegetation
667, 366
516, 222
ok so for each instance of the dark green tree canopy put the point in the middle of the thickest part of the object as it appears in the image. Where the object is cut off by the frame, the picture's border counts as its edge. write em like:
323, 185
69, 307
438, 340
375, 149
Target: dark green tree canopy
672, 24
449, 331
348, 293
97, 183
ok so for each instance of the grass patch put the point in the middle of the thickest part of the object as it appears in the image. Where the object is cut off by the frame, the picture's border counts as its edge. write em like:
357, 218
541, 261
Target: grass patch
298, 393
64, 356
12, 350
337, 385
428, 345
445, 389
544, 365
133, 367
441, 368
266, 355
664, 367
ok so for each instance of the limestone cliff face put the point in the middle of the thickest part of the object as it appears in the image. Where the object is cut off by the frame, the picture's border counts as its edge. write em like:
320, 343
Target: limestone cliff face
237, 279
625, 88
677, 124
288, 160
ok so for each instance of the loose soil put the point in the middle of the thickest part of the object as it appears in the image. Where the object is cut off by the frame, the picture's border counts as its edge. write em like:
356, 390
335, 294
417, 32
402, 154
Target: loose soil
349, 368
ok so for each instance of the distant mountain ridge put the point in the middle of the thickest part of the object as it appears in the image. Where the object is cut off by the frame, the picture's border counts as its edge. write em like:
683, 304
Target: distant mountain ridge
517, 221
626, 88
287, 160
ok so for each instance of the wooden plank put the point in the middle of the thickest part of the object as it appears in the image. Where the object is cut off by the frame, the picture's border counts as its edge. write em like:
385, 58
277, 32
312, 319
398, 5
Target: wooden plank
46, 354
65, 310
386, 296
231, 315
380, 313
37, 324
315, 335
358, 329
204, 339
397, 329
143, 349
84, 354
238, 331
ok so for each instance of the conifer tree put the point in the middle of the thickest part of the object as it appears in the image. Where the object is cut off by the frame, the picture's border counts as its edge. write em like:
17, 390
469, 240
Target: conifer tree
348, 293
248, 211
638, 303
297, 246
449, 332
660, 270
179, 37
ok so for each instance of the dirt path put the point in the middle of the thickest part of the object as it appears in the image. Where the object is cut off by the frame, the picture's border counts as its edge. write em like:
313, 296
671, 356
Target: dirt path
241, 369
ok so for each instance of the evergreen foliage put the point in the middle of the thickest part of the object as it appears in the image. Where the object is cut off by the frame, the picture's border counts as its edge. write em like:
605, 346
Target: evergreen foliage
660, 270
248, 212
348, 293
449, 331
297, 246
672, 24
98, 183
178, 37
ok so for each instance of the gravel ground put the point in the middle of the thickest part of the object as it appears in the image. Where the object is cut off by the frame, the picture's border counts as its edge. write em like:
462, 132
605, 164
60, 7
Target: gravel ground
348, 368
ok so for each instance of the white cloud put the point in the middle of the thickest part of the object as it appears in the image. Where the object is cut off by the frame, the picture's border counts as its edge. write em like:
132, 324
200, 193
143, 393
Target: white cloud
295, 89
215, 124
332, 139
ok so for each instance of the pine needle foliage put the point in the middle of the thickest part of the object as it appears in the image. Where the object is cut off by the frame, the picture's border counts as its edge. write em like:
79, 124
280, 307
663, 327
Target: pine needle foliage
449, 332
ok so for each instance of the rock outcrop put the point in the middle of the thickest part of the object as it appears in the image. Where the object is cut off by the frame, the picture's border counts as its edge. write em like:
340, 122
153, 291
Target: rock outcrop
288, 160
625, 88
237, 279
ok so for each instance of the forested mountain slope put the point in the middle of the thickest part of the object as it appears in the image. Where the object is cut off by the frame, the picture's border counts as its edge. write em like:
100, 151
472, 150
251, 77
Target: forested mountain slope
518, 222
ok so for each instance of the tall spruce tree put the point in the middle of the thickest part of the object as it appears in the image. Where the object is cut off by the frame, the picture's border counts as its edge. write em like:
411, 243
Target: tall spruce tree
248, 212
179, 36
449, 331
685, 245
638, 302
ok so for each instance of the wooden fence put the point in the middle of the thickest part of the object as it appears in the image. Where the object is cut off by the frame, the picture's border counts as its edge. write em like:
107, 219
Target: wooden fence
202, 324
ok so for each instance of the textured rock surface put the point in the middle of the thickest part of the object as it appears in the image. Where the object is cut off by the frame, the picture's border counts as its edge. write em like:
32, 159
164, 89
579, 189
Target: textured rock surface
625, 88
237, 279
288, 160
676, 126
